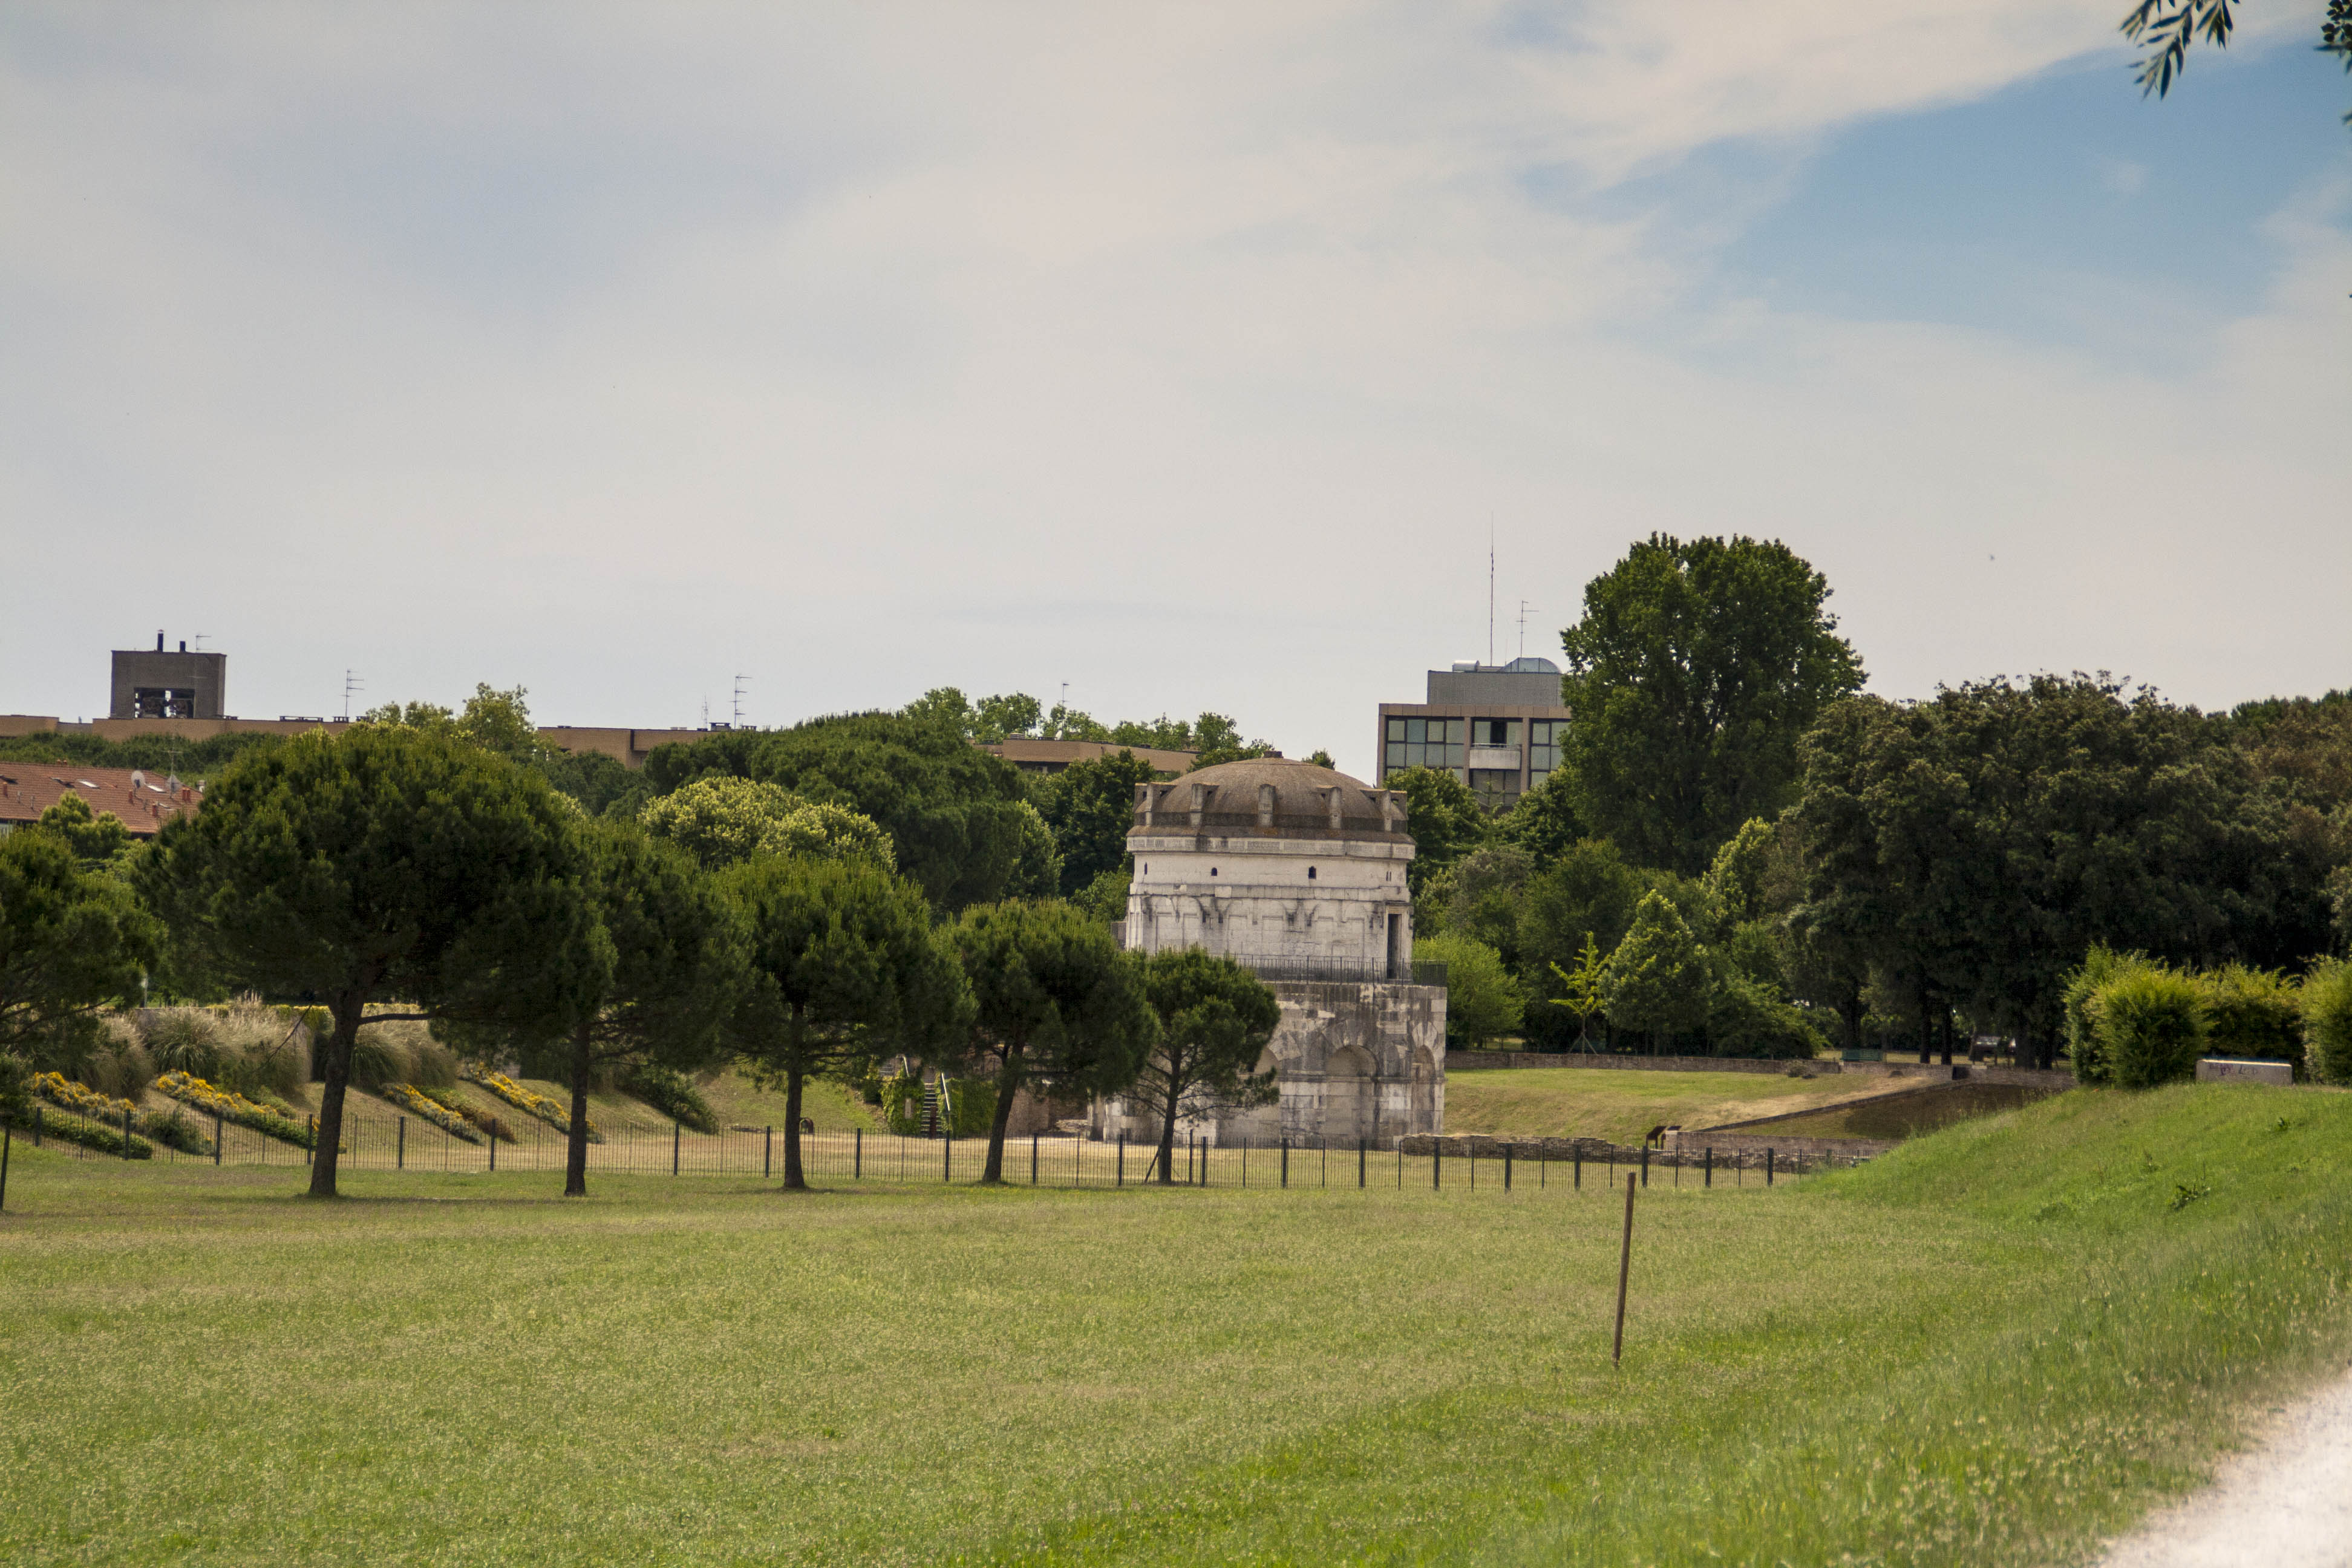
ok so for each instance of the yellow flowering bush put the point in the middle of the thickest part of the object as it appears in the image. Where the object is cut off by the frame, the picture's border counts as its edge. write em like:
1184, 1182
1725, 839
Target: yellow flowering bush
59, 1089
231, 1105
172, 1129
552, 1111
425, 1107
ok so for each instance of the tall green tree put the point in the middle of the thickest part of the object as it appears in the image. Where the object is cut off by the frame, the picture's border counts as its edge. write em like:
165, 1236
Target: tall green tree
72, 940
97, 840
843, 970
1090, 805
1444, 819
959, 817
1058, 1006
1658, 980
1215, 1019
1694, 673
1483, 998
383, 865
722, 819
672, 971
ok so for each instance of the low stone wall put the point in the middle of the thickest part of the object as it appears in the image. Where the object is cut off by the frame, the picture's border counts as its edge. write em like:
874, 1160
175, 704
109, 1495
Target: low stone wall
1471, 1061
1983, 1072
1731, 1150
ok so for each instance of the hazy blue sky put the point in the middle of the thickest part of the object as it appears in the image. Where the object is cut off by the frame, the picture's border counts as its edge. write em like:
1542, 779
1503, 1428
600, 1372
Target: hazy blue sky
1184, 355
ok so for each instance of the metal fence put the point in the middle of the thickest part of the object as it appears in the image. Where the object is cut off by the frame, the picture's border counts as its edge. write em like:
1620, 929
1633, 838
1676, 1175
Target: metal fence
406, 1143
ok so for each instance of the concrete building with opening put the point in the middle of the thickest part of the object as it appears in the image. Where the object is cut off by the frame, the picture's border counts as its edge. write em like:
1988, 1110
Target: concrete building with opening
161, 685
1296, 873
1497, 727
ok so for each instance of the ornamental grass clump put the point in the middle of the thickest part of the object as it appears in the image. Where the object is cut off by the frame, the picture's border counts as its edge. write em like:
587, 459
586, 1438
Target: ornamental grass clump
401, 1053
233, 1107
2150, 1026
248, 1046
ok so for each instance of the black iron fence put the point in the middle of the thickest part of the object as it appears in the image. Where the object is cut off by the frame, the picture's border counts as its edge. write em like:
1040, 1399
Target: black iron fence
405, 1143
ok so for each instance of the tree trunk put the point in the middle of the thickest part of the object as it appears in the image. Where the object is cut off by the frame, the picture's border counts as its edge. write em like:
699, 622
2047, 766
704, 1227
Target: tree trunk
1946, 1027
1008, 1080
794, 1179
348, 1009
1168, 1132
575, 1140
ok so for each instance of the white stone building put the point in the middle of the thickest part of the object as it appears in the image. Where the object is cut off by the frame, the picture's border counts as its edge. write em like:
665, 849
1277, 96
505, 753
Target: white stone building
1299, 872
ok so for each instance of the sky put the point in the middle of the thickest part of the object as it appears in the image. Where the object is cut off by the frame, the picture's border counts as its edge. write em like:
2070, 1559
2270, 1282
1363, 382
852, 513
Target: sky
1187, 356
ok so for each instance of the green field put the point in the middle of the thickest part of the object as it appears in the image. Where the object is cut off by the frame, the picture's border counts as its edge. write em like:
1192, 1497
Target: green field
1623, 1105
1989, 1346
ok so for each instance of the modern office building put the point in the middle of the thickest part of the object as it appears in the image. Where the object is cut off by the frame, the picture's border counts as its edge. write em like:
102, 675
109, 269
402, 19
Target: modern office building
1497, 727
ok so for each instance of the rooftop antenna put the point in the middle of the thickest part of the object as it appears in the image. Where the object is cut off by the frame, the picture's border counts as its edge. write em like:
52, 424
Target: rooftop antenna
350, 683
199, 638
1490, 588
739, 699
706, 713
1524, 608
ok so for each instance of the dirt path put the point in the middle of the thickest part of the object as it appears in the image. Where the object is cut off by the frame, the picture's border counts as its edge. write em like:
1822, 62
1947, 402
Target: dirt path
2285, 1503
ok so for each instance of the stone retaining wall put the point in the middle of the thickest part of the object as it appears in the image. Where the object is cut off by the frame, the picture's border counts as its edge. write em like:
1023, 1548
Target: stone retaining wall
1983, 1072
1731, 1150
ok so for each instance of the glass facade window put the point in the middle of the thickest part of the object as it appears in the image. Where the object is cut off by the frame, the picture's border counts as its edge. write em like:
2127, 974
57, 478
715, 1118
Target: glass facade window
1544, 736
1424, 743
1495, 731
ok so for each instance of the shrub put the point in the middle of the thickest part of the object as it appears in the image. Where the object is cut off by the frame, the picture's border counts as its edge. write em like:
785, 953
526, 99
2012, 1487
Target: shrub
171, 1128
415, 1101
2255, 1013
668, 1092
1744, 1018
230, 1106
548, 1109
70, 1127
2149, 1025
2327, 1020
2080, 1001
1482, 998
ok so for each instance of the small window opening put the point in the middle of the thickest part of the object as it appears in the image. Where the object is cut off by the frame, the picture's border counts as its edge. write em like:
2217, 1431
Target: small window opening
1212, 870
1310, 873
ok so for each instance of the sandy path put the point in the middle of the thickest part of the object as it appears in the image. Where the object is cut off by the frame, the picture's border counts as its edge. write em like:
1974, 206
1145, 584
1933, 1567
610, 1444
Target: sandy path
2285, 1503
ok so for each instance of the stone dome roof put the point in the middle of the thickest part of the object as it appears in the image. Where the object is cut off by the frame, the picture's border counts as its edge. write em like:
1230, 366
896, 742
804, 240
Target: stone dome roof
1272, 797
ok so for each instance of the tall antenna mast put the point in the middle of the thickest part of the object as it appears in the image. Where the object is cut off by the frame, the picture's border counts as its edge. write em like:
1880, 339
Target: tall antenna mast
350, 683
739, 699
1490, 587
1524, 608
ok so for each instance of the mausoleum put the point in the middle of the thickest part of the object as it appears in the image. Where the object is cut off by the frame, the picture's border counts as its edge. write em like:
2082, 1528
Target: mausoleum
1297, 872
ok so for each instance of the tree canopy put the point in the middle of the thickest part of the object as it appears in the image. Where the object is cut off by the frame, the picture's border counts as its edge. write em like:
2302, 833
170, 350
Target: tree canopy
72, 939
1057, 1006
1215, 1019
383, 864
1090, 805
958, 818
2167, 28
1693, 674
721, 819
844, 969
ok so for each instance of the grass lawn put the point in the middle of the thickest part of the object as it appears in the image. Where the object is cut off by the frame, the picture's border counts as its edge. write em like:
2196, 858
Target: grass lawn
1623, 1105
1989, 1346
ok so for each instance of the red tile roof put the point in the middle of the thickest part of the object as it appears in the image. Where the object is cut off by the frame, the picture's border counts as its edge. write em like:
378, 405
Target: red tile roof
144, 801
